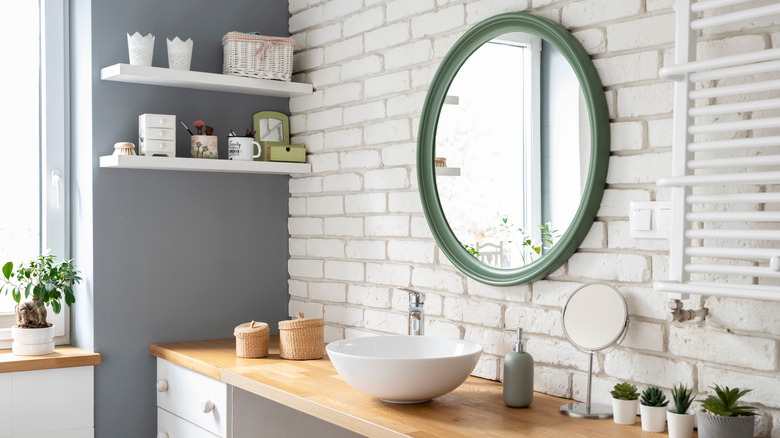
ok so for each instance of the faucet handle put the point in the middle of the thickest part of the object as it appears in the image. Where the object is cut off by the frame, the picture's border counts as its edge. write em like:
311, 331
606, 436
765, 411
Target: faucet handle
415, 298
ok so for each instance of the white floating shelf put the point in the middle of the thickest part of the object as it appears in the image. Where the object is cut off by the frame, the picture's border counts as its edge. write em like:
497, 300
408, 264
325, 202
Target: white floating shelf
201, 165
140, 74
447, 171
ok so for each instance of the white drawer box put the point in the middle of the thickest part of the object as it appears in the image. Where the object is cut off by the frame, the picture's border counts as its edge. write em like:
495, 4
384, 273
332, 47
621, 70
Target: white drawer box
192, 396
160, 134
156, 121
162, 147
171, 426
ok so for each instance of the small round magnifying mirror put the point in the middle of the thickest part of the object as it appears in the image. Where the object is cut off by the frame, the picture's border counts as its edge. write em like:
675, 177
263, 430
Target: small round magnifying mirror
595, 317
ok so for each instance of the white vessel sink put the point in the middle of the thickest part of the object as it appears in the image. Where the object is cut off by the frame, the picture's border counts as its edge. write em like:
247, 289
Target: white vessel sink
404, 369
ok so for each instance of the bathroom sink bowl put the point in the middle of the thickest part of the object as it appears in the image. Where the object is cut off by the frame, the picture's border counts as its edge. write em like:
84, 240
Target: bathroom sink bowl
404, 369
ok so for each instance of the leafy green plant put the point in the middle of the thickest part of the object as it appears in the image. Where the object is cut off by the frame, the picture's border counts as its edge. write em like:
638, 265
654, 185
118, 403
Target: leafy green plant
471, 249
528, 248
682, 396
653, 396
725, 403
43, 281
624, 391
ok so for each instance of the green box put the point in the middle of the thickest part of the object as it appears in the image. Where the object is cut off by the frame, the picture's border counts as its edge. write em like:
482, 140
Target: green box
275, 151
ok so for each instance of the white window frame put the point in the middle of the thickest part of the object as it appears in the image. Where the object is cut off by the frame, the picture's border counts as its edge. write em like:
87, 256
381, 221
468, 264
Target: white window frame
54, 138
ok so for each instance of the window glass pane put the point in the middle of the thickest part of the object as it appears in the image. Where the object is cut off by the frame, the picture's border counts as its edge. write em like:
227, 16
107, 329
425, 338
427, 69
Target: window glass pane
20, 156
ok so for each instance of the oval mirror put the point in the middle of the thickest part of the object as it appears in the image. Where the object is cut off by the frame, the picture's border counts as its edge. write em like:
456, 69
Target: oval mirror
513, 149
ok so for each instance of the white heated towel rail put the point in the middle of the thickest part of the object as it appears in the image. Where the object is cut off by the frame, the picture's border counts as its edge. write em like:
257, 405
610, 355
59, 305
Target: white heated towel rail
725, 175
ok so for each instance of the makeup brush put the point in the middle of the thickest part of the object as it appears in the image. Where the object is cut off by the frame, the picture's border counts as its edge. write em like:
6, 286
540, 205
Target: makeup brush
199, 126
185, 127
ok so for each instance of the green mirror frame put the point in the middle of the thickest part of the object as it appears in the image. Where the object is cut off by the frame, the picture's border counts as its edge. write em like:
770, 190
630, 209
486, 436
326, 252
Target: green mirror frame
598, 114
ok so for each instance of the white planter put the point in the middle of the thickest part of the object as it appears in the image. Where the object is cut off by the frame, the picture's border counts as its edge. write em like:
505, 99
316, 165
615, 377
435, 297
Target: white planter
179, 53
680, 425
624, 411
140, 48
32, 341
653, 418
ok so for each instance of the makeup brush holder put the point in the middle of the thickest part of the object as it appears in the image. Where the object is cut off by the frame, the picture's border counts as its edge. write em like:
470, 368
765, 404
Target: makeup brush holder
179, 53
203, 146
140, 49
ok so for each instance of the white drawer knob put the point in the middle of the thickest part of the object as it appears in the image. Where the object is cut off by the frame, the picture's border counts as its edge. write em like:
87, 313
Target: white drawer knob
162, 385
160, 133
162, 121
162, 435
206, 406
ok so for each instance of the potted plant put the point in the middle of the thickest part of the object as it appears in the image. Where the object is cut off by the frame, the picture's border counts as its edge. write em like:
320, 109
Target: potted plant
652, 406
681, 418
624, 403
721, 417
43, 283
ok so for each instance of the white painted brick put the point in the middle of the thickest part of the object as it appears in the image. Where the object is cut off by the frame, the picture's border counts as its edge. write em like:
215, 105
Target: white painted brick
325, 205
493, 341
343, 315
348, 271
324, 119
366, 20
645, 100
364, 159
632, 169
746, 315
387, 36
730, 46
309, 309
645, 302
404, 202
709, 345
435, 327
344, 226
389, 274
617, 202
395, 178
422, 77
361, 67
334, 292
297, 247
611, 267
386, 84
364, 112
626, 136
305, 19
552, 351
398, 9
551, 381
534, 320
438, 279
660, 267
334, 9
437, 22
596, 237
552, 293
343, 50
390, 226
657, 5
764, 387
487, 368
410, 54
388, 131
297, 124
366, 203
368, 296
420, 229
306, 103
399, 155
297, 288
323, 163
297, 206
406, 104
324, 35
314, 142
325, 248
611, 98
644, 368
644, 336
304, 226
477, 11
601, 386
620, 237
333, 334
343, 93
305, 268
640, 33
344, 138
366, 249
516, 293
411, 251
385, 321
297, 5
306, 185
659, 133
342, 182
443, 44
592, 40
589, 12
324, 76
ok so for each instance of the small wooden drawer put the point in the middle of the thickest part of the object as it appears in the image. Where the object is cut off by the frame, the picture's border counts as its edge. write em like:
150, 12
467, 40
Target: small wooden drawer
157, 121
171, 426
193, 397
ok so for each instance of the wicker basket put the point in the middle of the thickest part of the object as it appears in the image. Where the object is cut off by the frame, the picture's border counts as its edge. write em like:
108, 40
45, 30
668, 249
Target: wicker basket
257, 56
302, 339
252, 339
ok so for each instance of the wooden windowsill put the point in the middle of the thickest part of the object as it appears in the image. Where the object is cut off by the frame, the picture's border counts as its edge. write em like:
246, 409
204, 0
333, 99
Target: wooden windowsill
64, 356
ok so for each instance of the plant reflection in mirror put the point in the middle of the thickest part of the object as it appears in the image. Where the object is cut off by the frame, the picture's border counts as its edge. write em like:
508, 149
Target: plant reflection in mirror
528, 249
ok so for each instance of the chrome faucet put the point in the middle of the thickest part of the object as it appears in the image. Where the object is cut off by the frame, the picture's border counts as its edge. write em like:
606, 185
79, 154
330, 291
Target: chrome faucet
416, 312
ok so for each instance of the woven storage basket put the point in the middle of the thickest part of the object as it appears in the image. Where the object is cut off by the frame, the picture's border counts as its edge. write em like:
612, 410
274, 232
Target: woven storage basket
252, 339
257, 56
302, 339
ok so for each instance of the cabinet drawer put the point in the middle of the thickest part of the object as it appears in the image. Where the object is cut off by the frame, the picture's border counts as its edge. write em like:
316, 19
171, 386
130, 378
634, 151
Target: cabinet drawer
192, 396
171, 426
157, 121
149, 147
159, 134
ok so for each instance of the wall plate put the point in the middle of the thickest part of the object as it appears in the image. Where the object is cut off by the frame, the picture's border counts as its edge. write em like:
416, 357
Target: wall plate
650, 220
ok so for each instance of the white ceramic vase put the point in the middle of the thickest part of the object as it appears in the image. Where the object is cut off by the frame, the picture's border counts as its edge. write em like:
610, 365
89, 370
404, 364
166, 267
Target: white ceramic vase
179, 53
32, 341
140, 48
680, 425
653, 418
624, 411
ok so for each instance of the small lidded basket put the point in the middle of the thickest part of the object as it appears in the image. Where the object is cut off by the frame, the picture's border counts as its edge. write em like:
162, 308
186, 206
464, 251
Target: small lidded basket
302, 339
252, 339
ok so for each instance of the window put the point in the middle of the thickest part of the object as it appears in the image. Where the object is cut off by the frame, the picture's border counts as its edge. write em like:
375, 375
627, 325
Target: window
33, 155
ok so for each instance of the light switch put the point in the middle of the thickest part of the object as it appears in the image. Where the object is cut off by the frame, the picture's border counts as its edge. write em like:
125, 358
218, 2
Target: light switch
664, 219
641, 220
650, 220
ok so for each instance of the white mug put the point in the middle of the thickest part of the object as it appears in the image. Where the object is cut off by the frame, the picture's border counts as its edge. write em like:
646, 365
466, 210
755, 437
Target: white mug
241, 148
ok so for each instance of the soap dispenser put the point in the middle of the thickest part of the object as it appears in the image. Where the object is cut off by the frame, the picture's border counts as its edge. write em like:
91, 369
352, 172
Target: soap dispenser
518, 375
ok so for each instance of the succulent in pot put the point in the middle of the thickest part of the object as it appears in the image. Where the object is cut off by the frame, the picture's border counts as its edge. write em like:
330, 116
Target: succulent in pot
680, 419
43, 282
624, 403
722, 417
653, 409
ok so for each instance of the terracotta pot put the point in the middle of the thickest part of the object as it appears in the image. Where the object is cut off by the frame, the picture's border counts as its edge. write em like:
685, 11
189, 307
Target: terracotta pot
680, 425
715, 426
624, 411
653, 418
32, 341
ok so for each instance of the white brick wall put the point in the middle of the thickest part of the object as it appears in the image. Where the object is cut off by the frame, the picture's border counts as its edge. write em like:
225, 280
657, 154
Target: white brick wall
358, 232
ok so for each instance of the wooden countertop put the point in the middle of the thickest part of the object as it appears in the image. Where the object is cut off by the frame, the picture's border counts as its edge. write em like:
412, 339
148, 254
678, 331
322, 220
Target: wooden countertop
64, 356
476, 408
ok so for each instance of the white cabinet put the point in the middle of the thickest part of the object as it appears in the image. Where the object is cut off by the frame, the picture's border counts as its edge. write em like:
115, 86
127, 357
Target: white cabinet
6, 399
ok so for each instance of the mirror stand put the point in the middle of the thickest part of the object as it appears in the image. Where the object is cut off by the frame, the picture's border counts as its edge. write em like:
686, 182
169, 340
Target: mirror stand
587, 410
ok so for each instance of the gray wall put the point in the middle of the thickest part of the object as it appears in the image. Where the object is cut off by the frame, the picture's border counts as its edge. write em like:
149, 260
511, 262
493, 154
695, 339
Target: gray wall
171, 256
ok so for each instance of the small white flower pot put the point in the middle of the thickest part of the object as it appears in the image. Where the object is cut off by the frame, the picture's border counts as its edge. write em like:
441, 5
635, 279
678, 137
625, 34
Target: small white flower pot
653, 418
140, 48
680, 425
624, 411
32, 341
179, 53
